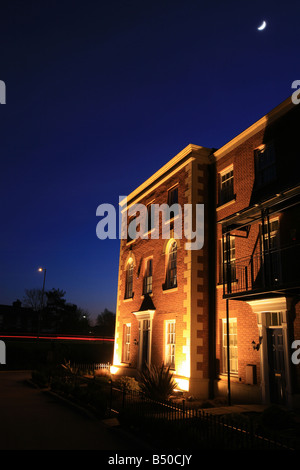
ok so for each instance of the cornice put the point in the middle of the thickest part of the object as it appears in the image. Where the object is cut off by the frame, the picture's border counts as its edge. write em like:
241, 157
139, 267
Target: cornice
191, 150
262, 123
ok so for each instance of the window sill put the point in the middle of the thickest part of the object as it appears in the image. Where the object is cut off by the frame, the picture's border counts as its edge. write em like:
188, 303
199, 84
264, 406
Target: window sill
170, 289
226, 204
128, 300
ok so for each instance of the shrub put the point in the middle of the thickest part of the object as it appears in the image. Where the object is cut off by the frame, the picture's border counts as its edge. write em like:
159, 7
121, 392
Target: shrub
157, 382
127, 383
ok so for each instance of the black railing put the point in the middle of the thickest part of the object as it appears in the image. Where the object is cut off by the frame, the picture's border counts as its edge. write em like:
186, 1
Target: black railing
271, 270
175, 425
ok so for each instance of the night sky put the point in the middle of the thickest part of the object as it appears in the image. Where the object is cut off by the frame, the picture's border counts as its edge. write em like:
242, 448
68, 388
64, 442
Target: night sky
100, 95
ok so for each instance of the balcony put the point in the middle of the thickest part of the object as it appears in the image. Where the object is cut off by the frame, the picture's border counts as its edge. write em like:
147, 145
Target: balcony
275, 271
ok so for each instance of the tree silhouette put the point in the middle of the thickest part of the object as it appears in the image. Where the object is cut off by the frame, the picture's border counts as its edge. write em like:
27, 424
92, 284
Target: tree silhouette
33, 299
105, 323
57, 315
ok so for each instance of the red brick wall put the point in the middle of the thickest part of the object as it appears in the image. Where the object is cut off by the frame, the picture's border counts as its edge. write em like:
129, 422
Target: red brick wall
187, 304
287, 146
168, 304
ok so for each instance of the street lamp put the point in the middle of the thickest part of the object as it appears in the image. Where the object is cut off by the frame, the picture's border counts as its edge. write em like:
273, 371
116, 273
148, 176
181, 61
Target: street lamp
43, 290
40, 270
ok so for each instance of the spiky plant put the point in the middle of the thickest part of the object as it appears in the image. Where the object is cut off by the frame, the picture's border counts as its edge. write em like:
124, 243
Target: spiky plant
157, 383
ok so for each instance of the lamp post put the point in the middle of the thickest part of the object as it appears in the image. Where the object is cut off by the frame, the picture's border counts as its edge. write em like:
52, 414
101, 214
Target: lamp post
42, 301
43, 290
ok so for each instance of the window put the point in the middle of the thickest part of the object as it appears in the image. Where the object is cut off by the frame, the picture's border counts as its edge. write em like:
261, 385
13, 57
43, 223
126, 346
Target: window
173, 196
233, 351
149, 221
171, 278
226, 193
224, 267
270, 248
271, 234
147, 287
126, 342
173, 199
273, 319
129, 280
145, 327
170, 344
265, 165
132, 223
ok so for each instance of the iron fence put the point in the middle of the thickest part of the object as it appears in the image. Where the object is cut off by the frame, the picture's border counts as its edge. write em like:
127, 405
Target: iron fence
178, 426
91, 367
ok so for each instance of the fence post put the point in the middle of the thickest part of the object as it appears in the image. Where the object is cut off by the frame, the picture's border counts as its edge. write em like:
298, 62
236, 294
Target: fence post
110, 398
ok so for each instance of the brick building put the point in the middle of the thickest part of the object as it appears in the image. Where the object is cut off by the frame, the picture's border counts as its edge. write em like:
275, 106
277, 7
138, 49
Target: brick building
186, 308
258, 280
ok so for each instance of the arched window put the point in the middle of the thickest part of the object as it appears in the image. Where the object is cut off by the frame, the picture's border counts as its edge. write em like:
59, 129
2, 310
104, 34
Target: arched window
171, 278
129, 280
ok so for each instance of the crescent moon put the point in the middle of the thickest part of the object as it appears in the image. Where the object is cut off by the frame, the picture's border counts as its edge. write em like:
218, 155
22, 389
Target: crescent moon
262, 26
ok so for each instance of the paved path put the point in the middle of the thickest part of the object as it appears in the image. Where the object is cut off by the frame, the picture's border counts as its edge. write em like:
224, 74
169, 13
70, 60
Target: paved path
33, 420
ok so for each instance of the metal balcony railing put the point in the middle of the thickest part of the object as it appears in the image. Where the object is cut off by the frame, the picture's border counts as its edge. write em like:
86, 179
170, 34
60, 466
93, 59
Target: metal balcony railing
270, 270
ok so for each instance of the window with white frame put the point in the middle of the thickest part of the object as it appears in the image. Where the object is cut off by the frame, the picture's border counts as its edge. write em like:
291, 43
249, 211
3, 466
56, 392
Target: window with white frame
173, 196
129, 280
173, 201
150, 217
270, 244
233, 349
147, 287
126, 342
227, 259
170, 343
265, 164
226, 179
171, 275
271, 235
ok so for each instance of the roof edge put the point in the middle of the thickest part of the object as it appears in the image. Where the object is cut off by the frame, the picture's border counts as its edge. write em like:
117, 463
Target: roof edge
190, 148
268, 118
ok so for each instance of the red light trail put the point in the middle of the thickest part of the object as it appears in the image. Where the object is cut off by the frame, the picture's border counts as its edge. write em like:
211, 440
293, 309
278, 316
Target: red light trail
60, 337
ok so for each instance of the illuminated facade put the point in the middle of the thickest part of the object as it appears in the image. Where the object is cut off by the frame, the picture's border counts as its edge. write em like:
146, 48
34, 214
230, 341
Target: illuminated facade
178, 307
258, 249
162, 307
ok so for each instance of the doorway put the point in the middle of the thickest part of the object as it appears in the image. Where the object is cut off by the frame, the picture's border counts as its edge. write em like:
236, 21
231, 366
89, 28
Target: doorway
276, 363
145, 342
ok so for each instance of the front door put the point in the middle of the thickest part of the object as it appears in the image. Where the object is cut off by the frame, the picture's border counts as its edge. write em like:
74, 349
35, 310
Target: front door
145, 326
276, 365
